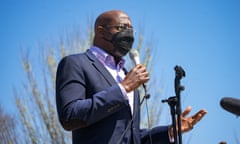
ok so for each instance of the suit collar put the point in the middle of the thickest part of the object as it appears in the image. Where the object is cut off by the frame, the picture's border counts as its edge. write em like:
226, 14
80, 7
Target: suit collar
106, 59
100, 68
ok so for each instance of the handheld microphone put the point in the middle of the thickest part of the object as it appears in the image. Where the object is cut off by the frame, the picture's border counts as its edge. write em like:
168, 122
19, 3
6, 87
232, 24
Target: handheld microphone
134, 55
231, 105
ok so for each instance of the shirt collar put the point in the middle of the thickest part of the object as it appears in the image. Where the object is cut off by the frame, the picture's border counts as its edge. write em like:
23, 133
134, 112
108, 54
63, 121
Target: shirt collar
106, 58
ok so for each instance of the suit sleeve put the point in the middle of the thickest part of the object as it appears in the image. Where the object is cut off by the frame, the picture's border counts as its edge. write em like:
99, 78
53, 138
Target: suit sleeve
76, 107
159, 135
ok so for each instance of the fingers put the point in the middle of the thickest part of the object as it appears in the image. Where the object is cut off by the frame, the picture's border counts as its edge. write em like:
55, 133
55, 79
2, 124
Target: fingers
189, 122
198, 116
135, 78
187, 111
141, 74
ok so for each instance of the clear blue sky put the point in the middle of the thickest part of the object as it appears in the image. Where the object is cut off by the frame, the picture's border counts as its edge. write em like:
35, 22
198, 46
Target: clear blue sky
202, 36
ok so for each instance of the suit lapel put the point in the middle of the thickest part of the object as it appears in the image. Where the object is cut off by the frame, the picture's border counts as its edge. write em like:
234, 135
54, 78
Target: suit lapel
100, 68
136, 103
108, 77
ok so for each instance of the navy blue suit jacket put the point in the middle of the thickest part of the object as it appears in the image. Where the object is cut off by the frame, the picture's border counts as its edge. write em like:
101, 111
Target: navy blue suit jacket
91, 105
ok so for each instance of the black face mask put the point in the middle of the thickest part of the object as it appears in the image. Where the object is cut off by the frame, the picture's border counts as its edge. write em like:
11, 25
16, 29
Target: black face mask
122, 42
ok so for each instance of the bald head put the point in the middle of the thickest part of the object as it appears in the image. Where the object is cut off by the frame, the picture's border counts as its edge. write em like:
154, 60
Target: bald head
110, 18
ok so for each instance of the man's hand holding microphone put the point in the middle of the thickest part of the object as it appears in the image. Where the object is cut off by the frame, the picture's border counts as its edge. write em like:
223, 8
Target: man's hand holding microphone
137, 76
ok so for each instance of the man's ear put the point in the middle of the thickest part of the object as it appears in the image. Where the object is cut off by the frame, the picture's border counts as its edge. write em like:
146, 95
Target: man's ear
100, 30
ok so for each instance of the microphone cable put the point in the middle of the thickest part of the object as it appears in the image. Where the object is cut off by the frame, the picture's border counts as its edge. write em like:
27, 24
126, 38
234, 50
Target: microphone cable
146, 96
134, 55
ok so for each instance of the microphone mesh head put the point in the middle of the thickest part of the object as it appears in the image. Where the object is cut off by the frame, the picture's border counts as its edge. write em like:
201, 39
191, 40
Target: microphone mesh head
133, 54
231, 105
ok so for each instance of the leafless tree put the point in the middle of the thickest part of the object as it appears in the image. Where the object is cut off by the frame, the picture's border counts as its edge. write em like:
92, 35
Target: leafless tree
7, 128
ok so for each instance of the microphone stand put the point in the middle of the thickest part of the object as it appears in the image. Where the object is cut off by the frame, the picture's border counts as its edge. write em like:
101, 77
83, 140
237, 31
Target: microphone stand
175, 105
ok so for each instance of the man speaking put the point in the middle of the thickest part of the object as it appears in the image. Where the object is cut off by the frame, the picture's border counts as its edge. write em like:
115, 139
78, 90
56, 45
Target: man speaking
97, 98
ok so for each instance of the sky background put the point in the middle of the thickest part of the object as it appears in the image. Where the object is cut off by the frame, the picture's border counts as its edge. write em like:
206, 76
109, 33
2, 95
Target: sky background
202, 36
